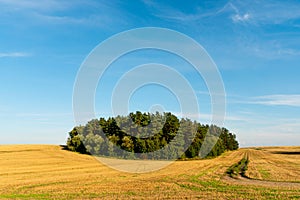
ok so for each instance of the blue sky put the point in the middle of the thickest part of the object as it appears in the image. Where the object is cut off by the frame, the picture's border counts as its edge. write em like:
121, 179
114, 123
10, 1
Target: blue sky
255, 44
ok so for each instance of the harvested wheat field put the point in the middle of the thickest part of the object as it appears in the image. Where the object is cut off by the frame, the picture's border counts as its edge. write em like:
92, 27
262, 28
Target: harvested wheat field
48, 172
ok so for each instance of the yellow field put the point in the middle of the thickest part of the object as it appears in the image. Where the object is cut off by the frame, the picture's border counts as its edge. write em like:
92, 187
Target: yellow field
275, 164
48, 172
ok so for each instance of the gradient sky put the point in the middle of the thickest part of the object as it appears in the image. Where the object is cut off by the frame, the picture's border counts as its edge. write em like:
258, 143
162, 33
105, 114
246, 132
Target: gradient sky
255, 44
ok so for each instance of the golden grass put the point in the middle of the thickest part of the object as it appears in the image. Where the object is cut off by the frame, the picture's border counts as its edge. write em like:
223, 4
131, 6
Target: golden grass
275, 164
47, 172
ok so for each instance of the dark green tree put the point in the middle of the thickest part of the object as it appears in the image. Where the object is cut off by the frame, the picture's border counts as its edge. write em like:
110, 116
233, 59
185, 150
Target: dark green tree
75, 143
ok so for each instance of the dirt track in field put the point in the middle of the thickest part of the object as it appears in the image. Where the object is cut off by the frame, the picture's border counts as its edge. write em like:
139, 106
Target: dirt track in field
249, 181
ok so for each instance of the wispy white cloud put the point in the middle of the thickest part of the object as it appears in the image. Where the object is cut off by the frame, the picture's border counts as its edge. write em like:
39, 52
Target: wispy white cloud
43, 114
262, 128
253, 12
267, 12
43, 5
82, 12
255, 16
94, 20
269, 100
236, 15
269, 134
14, 54
278, 100
168, 12
44, 118
288, 51
238, 12
241, 18
206, 118
61, 19
269, 50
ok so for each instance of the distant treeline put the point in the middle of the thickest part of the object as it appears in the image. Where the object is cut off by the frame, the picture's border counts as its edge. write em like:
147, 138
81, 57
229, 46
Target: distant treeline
149, 136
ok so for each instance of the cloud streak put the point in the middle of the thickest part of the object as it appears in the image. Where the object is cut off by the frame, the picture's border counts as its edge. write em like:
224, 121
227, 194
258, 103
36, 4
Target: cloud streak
44, 5
278, 100
253, 12
14, 55
269, 12
167, 12
76, 12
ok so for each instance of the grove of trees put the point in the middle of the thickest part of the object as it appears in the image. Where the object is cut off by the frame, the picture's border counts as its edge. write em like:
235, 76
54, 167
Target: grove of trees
149, 136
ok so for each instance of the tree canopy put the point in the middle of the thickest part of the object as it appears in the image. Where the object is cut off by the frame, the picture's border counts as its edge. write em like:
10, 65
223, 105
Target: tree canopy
149, 136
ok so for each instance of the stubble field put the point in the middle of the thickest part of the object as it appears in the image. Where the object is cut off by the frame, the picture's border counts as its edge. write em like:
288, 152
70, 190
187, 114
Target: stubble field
48, 172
